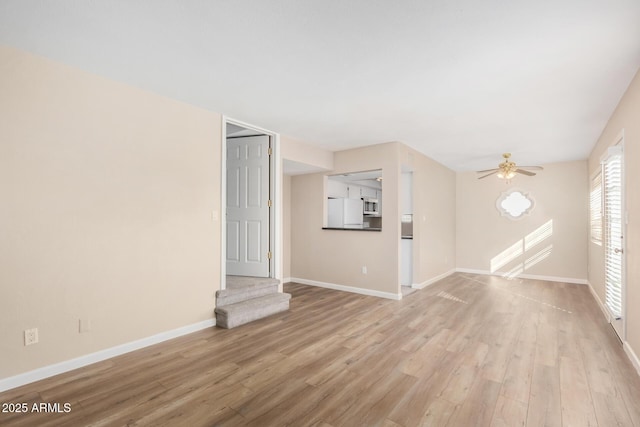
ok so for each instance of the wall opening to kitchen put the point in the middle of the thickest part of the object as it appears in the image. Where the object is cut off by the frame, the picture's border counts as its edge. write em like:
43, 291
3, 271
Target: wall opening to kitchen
354, 201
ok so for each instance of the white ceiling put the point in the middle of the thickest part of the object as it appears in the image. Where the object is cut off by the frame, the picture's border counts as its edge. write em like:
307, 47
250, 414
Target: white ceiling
460, 80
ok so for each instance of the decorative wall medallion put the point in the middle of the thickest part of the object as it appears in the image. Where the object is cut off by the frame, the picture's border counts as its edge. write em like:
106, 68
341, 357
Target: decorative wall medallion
515, 204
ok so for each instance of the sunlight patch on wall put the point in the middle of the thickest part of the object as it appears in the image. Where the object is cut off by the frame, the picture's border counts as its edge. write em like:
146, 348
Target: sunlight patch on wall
529, 262
514, 272
533, 260
506, 256
540, 234
522, 247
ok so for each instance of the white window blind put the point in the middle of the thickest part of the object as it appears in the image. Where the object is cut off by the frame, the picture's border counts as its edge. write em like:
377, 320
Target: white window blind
595, 202
612, 170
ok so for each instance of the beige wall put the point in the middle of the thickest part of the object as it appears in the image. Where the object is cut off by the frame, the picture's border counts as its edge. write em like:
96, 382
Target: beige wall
561, 195
107, 199
337, 257
286, 229
306, 157
434, 216
627, 117
306, 154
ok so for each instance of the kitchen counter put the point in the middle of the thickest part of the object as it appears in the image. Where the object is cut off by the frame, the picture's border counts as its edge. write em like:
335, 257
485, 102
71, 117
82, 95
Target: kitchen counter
352, 229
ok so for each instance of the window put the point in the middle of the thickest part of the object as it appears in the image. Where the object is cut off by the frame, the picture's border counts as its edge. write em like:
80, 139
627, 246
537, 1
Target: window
595, 203
515, 204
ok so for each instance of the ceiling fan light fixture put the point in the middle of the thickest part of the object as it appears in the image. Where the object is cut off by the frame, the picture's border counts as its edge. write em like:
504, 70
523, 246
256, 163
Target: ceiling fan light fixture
508, 169
506, 174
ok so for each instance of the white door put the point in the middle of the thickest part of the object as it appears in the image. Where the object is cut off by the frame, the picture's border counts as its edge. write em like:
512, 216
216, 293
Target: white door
613, 186
248, 206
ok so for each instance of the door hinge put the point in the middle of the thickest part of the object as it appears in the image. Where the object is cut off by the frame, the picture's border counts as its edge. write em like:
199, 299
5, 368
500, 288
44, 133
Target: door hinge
270, 151
269, 203
269, 255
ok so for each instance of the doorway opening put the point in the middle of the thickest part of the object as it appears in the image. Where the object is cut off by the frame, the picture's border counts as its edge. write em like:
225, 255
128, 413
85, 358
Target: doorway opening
406, 234
248, 189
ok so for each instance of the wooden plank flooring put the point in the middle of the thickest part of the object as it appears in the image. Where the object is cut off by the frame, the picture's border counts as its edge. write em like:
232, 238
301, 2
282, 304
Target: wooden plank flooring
466, 351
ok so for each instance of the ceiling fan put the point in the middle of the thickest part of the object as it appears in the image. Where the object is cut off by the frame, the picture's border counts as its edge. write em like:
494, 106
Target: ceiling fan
508, 169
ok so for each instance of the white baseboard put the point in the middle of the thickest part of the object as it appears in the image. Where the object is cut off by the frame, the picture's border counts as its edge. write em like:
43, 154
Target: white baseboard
472, 271
433, 280
79, 362
287, 280
351, 289
605, 312
525, 276
554, 279
632, 356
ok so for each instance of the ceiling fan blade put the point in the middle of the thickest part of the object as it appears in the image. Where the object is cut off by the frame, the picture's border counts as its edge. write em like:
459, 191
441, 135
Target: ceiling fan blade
524, 172
489, 174
535, 168
488, 170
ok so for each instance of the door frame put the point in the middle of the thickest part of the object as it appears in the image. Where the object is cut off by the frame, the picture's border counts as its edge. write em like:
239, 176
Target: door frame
275, 188
618, 142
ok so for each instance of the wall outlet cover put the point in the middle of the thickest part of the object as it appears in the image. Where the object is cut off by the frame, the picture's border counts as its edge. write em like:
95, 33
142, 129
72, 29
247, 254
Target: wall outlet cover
30, 336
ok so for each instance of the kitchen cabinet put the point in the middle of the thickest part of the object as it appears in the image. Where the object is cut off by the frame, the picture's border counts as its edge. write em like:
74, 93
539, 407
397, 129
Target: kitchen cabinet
337, 189
355, 191
369, 193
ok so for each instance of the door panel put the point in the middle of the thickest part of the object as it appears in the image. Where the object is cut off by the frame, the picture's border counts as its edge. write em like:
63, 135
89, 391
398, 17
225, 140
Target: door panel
254, 187
233, 187
253, 243
247, 206
233, 239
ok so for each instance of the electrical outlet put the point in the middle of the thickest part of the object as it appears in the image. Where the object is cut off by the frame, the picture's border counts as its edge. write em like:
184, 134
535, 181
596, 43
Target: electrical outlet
364, 269
30, 336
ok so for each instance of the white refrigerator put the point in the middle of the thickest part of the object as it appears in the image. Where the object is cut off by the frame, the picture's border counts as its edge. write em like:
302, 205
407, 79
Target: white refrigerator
345, 213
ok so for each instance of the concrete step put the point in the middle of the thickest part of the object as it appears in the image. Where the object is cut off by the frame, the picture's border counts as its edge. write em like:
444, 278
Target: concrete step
232, 315
242, 288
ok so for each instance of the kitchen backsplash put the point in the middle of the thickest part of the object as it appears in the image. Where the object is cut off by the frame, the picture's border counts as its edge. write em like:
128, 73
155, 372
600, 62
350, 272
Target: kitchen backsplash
374, 221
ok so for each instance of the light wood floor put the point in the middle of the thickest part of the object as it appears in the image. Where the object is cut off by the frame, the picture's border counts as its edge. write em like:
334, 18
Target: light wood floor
469, 350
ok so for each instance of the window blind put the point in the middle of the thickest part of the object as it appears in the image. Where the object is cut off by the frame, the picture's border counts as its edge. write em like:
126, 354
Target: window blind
612, 170
595, 202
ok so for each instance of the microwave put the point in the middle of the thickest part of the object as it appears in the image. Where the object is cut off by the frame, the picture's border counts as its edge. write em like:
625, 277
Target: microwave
371, 207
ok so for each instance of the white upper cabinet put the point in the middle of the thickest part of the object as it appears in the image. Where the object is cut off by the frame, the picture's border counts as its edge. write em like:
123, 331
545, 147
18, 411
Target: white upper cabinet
355, 191
369, 193
337, 189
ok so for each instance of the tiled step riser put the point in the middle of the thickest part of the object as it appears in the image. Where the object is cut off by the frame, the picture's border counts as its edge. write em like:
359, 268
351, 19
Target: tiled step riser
237, 319
232, 296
